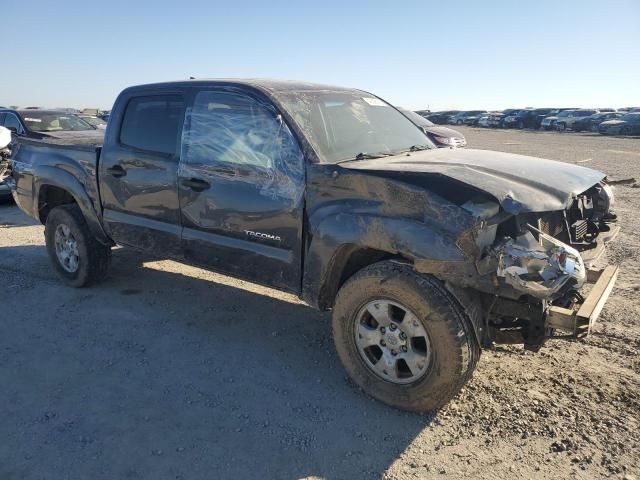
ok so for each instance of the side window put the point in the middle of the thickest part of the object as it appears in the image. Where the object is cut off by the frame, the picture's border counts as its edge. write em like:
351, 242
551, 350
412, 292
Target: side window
153, 123
2, 115
238, 134
11, 121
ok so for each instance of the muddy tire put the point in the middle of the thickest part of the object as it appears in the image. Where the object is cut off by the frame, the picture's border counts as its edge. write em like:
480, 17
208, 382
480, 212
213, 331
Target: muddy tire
77, 257
417, 306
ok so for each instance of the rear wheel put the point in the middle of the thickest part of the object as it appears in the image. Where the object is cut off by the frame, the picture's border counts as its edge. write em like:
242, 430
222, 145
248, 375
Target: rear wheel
403, 338
78, 258
626, 130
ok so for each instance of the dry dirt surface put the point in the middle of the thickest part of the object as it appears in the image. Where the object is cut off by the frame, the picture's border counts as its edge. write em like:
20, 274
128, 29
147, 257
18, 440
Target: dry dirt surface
170, 372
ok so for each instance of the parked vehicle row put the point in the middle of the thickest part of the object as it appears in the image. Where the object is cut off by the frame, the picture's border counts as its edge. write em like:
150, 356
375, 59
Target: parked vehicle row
614, 122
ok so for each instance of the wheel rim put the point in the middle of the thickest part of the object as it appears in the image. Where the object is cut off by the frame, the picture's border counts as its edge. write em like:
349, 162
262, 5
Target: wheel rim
66, 248
392, 342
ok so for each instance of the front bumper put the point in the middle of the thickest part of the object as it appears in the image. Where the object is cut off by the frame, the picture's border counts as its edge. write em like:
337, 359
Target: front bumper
578, 320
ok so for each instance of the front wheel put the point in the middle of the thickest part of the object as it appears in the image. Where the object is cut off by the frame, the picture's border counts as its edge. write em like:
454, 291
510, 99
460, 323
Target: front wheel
78, 258
403, 338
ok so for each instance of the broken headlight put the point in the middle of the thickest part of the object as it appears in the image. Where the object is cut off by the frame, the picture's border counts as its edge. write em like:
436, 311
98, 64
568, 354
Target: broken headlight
539, 268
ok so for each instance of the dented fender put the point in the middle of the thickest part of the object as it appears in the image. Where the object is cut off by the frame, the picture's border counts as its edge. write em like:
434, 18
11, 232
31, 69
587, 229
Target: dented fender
337, 237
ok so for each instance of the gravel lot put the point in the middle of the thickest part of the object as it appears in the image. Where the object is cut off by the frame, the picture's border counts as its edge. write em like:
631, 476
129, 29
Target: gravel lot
171, 372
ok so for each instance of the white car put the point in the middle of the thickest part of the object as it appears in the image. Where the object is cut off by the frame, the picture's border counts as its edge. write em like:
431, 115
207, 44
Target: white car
566, 122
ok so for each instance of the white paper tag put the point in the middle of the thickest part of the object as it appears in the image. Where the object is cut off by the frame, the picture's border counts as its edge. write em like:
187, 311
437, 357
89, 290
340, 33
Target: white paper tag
37, 120
374, 102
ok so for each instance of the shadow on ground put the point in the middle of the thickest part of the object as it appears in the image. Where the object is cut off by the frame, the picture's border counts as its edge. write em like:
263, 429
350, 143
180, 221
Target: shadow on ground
163, 374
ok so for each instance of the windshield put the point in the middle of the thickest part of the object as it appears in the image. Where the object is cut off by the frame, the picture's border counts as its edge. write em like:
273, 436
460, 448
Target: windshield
95, 121
54, 122
343, 124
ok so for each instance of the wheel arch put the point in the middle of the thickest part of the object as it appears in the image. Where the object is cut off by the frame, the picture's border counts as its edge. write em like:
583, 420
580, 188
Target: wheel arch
54, 187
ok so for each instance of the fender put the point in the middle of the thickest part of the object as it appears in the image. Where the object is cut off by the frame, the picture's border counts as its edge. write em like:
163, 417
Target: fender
56, 177
339, 235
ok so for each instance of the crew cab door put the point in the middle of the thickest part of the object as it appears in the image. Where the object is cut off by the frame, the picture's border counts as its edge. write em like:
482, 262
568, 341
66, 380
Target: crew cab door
138, 172
241, 184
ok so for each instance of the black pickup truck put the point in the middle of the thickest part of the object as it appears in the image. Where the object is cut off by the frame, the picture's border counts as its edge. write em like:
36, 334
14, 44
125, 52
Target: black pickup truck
424, 255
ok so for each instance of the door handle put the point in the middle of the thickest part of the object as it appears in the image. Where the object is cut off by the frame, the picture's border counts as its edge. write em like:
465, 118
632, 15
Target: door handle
195, 184
117, 171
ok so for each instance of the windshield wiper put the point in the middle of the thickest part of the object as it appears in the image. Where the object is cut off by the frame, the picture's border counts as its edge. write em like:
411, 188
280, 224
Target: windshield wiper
366, 156
417, 148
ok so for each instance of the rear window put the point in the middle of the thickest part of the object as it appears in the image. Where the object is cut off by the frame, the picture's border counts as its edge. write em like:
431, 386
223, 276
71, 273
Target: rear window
153, 123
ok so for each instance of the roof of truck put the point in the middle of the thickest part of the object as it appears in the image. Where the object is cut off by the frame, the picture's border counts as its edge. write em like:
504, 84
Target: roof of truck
264, 83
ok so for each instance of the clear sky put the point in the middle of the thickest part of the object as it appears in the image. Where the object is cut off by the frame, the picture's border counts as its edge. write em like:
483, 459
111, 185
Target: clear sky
417, 54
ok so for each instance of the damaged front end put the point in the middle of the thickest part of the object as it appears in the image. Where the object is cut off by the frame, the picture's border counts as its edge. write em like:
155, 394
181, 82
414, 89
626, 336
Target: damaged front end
534, 265
540, 268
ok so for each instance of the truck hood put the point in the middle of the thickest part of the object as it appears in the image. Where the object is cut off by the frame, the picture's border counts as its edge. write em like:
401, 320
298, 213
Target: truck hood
519, 183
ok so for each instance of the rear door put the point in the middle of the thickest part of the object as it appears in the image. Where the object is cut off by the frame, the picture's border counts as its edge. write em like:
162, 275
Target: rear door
138, 172
241, 183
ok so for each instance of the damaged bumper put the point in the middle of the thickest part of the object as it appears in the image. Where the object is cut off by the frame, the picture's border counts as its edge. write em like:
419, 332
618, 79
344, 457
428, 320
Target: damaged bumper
550, 274
578, 320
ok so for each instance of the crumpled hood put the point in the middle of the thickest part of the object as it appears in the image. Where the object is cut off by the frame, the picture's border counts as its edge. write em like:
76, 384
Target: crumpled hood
520, 183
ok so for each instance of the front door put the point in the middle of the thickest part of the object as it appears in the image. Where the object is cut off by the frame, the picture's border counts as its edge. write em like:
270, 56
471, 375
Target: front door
241, 184
138, 173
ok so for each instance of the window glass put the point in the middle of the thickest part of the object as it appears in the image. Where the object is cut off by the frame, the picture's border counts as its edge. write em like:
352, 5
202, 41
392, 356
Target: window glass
44, 121
2, 115
343, 124
153, 123
241, 135
12, 122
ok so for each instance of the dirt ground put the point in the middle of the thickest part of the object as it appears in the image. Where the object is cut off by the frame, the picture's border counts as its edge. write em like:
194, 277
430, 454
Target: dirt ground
170, 372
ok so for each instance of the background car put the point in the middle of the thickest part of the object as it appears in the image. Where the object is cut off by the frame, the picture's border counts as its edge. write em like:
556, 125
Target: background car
592, 122
496, 119
510, 119
441, 118
530, 117
97, 122
566, 122
549, 122
483, 120
39, 124
457, 118
440, 136
628, 124
469, 117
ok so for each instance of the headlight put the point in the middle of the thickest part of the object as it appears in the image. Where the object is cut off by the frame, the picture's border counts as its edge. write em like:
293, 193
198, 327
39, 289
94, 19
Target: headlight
444, 140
